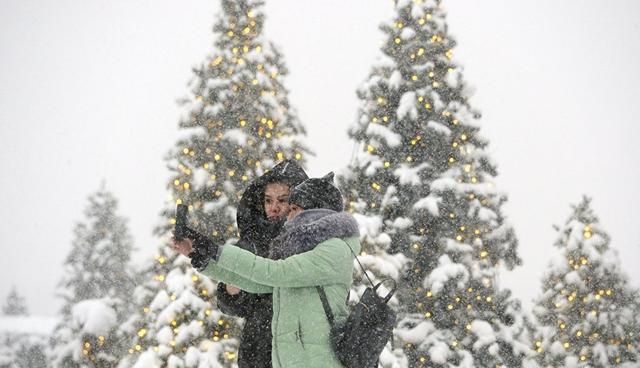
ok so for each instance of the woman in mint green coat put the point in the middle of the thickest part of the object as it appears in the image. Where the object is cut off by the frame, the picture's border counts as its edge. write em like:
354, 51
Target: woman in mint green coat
314, 249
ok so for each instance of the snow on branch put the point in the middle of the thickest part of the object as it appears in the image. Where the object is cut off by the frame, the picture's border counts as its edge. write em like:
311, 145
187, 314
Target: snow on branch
395, 80
237, 136
393, 139
407, 106
430, 203
410, 175
94, 316
446, 272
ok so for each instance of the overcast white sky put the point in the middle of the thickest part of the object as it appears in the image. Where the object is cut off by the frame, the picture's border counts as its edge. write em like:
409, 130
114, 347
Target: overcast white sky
88, 90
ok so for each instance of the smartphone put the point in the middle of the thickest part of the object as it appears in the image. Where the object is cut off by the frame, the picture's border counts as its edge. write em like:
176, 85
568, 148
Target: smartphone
181, 222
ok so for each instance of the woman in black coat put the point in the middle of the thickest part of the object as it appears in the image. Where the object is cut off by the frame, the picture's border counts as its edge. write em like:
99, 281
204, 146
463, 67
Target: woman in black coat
261, 214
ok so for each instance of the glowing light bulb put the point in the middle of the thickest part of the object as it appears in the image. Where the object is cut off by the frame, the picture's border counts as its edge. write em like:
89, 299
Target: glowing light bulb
587, 232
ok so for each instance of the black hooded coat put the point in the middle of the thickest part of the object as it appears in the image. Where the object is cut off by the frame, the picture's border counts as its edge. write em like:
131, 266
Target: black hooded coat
256, 232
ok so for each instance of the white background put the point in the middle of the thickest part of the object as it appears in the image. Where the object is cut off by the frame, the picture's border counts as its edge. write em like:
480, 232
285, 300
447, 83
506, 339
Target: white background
88, 90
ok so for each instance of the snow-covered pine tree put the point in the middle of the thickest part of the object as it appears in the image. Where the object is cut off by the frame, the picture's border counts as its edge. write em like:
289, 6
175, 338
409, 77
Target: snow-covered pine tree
96, 286
238, 123
15, 304
422, 182
24, 341
176, 323
587, 312
17, 348
31, 354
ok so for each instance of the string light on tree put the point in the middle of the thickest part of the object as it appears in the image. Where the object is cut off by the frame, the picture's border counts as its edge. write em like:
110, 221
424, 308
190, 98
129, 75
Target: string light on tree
211, 169
578, 328
410, 183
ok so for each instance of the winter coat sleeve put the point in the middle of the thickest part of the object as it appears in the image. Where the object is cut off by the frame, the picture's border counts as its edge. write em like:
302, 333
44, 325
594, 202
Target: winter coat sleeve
226, 276
328, 263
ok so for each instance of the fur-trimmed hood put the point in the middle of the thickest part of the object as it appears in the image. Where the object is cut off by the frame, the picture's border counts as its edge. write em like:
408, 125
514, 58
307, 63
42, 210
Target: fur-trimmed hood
310, 228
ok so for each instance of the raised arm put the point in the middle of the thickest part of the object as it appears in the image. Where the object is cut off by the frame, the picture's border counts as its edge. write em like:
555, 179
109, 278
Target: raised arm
328, 263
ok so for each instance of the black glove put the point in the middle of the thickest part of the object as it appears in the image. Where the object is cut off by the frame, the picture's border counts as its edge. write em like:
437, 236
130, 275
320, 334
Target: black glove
203, 250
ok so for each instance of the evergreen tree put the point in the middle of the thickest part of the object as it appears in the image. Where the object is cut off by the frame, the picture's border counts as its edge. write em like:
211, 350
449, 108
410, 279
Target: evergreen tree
15, 305
237, 124
422, 183
20, 349
587, 312
95, 288
31, 354
176, 321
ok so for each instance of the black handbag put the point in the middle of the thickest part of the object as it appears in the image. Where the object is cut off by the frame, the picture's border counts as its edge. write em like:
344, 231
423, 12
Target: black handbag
359, 341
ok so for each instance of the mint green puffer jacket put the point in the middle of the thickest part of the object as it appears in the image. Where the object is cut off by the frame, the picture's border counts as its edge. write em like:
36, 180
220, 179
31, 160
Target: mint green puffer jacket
300, 326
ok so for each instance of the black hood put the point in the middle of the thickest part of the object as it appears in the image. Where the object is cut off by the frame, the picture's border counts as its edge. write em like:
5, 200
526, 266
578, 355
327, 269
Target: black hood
251, 219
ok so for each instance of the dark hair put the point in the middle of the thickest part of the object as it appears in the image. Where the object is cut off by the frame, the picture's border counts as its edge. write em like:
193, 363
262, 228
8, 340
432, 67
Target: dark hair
251, 207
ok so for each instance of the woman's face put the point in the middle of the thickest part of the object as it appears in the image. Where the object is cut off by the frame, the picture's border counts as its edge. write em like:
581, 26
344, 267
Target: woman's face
276, 201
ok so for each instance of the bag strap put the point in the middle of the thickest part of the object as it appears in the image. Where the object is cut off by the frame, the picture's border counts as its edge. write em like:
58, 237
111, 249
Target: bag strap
375, 287
323, 296
360, 264
325, 305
